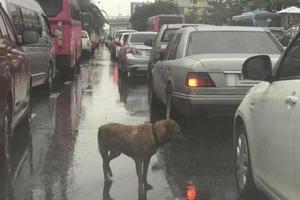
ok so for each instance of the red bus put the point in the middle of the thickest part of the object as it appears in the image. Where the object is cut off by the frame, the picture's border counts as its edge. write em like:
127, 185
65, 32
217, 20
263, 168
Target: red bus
65, 21
155, 22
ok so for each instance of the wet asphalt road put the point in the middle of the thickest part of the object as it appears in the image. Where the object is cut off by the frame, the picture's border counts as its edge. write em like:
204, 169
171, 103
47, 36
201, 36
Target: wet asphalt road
57, 157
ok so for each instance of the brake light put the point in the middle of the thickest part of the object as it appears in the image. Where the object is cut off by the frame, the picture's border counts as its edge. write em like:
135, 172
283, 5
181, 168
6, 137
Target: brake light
191, 192
131, 50
201, 79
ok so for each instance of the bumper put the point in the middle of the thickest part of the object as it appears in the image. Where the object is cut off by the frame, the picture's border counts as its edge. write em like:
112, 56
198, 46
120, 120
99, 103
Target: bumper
136, 63
63, 61
198, 104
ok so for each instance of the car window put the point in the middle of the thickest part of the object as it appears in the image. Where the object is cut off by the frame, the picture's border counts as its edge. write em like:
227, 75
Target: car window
4, 32
231, 42
141, 38
174, 48
168, 35
290, 66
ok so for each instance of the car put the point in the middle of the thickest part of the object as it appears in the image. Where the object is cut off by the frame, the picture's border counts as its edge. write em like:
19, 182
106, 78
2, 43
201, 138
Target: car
266, 128
16, 83
135, 54
40, 57
86, 43
201, 70
115, 40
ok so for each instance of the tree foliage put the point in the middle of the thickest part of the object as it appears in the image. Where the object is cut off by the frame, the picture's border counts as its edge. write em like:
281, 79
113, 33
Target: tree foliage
99, 19
221, 12
139, 19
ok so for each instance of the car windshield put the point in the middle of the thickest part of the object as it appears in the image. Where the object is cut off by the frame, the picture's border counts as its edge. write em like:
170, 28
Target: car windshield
141, 38
231, 42
51, 7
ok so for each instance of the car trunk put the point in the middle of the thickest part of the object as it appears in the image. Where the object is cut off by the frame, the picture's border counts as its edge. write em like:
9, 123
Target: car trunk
143, 51
225, 72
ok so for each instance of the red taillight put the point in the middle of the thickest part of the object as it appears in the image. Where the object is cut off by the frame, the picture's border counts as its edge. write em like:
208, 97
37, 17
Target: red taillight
199, 80
191, 192
131, 50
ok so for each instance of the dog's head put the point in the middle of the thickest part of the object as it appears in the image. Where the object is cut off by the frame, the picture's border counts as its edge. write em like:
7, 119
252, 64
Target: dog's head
168, 131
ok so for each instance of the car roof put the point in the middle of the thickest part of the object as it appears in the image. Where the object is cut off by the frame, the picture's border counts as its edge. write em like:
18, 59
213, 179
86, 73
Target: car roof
227, 28
29, 4
174, 26
144, 32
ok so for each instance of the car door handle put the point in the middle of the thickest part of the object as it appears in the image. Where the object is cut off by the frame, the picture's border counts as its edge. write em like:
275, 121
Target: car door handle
291, 100
252, 105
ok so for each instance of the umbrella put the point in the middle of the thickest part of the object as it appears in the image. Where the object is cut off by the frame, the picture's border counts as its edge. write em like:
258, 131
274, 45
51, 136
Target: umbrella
290, 10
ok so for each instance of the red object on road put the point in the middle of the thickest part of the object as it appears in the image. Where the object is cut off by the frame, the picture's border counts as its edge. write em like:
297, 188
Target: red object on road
191, 191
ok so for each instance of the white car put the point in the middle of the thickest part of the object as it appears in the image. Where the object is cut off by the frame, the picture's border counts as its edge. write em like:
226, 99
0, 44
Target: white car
86, 42
267, 128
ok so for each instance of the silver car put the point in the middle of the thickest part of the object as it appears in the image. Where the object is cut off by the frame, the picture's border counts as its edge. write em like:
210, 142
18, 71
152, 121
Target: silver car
201, 69
134, 53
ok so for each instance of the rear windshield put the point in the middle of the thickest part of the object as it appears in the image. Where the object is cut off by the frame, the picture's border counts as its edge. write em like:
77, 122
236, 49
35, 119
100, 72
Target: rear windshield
170, 20
141, 38
84, 35
51, 7
168, 35
210, 42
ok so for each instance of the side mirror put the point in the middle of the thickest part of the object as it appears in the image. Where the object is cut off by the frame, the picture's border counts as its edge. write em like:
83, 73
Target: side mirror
30, 37
258, 68
149, 43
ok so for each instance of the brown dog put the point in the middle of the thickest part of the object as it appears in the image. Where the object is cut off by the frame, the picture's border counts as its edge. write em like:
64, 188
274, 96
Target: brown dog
138, 142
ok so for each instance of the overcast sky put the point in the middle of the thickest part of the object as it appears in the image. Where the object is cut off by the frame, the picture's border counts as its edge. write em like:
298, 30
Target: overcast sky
114, 7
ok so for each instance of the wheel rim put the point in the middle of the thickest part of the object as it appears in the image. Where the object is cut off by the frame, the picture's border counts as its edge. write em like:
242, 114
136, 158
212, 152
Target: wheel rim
242, 161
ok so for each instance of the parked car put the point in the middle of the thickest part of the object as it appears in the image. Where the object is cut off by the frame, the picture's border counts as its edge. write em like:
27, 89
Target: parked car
135, 54
165, 34
86, 43
15, 81
201, 69
115, 42
266, 128
40, 56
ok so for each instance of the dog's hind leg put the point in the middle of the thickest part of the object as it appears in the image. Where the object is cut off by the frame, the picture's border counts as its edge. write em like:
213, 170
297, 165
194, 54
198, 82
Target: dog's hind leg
139, 173
145, 172
113, 153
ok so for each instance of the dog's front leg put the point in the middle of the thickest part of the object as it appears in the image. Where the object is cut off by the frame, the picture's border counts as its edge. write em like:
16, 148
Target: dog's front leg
145, 172
139, 173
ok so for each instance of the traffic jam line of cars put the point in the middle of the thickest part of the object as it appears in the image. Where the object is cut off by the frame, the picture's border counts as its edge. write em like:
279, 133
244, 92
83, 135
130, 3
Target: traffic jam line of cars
202, 69
33, 51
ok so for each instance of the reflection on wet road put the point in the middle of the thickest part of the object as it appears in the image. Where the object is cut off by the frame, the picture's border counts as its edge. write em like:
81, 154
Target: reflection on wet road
58, 158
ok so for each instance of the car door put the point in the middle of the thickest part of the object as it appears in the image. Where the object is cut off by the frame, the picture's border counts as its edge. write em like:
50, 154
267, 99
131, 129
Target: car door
157, 73
273, 110
289, 73
15, 58
37, 54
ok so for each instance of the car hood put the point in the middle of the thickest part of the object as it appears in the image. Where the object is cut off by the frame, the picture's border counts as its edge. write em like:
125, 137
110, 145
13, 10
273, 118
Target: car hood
227, 62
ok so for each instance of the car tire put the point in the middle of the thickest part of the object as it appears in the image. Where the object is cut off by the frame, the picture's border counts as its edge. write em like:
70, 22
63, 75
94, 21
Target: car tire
5, 155
171, 112
243, 170
49, 82
156, 106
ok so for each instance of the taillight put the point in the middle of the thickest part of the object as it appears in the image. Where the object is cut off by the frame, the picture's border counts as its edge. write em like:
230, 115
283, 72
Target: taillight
191, 192
201, 79
131, 50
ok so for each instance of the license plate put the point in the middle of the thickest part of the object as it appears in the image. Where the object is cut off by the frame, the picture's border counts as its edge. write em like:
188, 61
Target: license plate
237, 79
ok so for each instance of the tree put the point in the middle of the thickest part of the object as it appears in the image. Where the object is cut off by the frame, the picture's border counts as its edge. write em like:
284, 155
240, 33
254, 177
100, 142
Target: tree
139, 19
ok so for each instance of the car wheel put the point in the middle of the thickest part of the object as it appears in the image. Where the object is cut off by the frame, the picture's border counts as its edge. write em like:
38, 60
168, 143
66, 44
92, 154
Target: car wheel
156, 107
49, 82
170, 110
243, 170
5, 157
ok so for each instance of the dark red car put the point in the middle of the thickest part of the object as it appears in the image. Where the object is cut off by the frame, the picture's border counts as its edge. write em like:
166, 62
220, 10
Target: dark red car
15, 84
